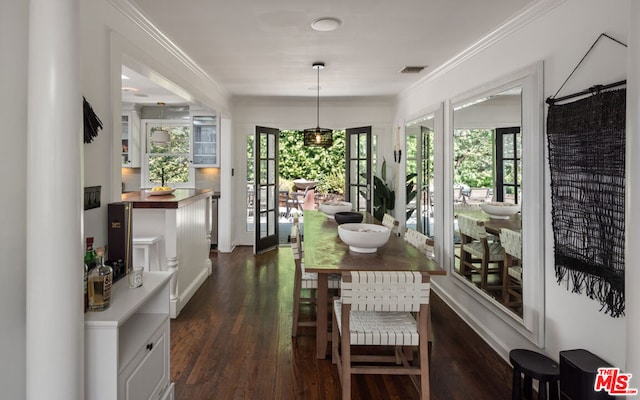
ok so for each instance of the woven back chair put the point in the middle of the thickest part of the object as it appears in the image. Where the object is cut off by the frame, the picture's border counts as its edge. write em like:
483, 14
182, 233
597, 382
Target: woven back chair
512, 274
375, 309
478, 254
307, 281
390, 222
420, 241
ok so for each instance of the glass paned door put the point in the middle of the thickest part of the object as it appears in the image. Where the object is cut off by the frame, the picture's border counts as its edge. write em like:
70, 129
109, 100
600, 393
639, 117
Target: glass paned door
266, 189
358, 168
419, 179
508, 164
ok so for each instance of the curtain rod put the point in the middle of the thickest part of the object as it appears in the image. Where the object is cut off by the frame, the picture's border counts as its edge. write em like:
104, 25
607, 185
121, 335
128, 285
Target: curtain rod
595, 89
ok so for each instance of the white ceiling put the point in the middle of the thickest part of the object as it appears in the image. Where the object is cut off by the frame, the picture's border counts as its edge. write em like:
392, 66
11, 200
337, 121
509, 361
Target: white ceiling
267, 47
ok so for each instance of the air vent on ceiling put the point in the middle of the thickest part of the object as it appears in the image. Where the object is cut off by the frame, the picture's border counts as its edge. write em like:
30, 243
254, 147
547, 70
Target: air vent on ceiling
412, 69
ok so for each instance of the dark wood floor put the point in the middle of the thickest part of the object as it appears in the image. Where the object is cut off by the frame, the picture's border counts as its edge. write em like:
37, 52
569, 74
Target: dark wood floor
233, 341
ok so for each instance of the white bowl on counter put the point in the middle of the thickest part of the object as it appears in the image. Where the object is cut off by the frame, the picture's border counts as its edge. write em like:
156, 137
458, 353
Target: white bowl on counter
364, 238
500, 210
332, 207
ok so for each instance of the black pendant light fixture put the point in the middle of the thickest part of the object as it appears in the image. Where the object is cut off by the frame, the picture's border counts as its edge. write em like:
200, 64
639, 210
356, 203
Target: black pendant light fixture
317, 136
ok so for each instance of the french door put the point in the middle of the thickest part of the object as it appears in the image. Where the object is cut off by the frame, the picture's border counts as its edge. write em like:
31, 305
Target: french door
359, 151
266, 207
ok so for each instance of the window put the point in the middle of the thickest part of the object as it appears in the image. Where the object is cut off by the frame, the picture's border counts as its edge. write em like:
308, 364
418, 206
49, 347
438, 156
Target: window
171, 161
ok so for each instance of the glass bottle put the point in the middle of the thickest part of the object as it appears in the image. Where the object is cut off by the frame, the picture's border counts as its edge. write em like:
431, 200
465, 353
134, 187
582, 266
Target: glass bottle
90, 261
100, 279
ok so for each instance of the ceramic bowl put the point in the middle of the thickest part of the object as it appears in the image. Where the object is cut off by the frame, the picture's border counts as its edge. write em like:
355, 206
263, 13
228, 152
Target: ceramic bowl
363, 238
304, 184
346, 217
499, 210
332, 207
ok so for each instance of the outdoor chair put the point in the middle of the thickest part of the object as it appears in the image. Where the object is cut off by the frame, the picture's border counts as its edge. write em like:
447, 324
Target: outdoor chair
375, 309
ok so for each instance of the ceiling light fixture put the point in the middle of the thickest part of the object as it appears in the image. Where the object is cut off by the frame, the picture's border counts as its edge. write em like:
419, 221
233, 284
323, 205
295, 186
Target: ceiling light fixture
326, 24
317, 136
160, 136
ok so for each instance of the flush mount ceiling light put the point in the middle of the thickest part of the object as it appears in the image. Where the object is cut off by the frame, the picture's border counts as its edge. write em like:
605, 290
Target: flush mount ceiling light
160, 136
317, 136
326, 24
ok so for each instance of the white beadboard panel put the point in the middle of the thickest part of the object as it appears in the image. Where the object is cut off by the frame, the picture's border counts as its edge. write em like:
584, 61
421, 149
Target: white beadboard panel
185, 238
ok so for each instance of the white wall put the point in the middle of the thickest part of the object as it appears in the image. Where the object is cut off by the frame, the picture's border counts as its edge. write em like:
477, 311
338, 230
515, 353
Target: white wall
13, 173
98, 19
298, 114
559, 37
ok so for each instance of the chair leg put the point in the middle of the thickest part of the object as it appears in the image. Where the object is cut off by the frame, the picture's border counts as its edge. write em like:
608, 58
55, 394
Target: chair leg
345, 345
297, 287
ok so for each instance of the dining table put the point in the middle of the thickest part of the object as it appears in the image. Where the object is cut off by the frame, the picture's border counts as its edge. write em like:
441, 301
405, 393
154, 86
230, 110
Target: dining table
494, 225
325, 254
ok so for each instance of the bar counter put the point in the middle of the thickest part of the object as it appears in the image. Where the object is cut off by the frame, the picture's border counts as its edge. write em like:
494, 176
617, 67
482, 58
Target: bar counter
178, 199
182, 221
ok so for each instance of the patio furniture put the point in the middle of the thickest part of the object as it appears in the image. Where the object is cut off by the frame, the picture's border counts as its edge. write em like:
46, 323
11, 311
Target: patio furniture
478, 195
375, 309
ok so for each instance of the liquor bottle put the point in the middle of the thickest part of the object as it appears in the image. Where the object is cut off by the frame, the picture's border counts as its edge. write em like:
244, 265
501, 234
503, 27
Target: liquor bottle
90, 261
100, 279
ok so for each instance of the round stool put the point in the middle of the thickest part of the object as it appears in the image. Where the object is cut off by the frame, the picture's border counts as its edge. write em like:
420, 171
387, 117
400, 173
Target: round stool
147, 244
534, 366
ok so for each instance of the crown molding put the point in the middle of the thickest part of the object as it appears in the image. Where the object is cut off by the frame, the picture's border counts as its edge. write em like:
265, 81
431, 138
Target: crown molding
141, 21
530, 13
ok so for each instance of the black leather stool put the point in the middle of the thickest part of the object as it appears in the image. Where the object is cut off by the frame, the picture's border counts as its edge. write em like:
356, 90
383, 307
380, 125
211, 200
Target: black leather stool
534, 366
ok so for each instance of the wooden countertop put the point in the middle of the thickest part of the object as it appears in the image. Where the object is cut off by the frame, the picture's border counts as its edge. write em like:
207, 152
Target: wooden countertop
324, 252
178, 199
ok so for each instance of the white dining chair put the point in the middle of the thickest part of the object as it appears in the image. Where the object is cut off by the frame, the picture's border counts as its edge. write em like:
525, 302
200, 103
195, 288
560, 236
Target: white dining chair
375, 309
390, 222
512, 274
478, 254
420, 241
307, 281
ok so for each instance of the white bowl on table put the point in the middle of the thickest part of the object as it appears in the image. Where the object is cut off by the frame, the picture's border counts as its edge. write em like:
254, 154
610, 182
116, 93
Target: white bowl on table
364, 238
332, 207
500, 210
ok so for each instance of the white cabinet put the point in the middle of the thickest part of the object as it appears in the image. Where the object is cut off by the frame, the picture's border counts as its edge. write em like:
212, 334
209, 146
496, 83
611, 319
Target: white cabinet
130, 137
127, 347
205, 146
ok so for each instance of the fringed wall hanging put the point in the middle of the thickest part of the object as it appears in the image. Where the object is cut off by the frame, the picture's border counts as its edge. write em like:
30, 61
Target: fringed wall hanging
586, 142
92, 123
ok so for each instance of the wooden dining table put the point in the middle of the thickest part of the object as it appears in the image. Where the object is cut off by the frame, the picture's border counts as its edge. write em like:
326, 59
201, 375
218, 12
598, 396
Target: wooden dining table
325, 253
493, 225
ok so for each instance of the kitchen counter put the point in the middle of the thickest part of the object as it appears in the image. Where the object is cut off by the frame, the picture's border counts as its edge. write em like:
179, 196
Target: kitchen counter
182, 221
178, 199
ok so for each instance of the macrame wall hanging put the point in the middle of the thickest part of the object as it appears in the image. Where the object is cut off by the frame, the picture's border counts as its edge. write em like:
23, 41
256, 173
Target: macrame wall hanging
92, 123
586, 140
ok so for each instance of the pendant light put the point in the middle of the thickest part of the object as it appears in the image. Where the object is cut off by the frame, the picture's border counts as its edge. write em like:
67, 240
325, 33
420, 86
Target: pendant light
317, 136
160, 137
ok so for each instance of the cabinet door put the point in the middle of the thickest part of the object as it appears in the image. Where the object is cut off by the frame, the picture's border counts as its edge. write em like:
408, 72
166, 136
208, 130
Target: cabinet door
205, 146
130, 139
148, 374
